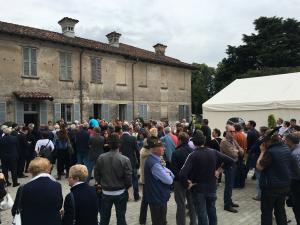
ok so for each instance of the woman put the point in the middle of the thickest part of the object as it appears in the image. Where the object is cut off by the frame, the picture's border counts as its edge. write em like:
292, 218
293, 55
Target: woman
44, 147
40, 200
2, 188
63, 156
106, 145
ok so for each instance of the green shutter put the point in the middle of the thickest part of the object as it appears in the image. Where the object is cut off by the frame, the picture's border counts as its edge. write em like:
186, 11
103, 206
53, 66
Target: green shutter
77, 112
181, 112
187, 113
105, 112
2, 112
129, 112
43, 112
57, 111
19, 112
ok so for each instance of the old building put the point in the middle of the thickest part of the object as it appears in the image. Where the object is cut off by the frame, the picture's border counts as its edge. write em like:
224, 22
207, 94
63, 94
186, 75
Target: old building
46, 75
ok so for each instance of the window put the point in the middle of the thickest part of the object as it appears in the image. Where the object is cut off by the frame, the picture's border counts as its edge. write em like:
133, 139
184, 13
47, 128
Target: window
164, 79
121, 73
97, 111
164, 112
65, 62
96, 70
67, 112
184, 112
142, 74
143, 111
29, 61
30, 107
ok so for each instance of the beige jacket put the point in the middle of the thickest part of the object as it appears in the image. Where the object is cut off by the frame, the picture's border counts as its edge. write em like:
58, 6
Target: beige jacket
144, 153
231, 149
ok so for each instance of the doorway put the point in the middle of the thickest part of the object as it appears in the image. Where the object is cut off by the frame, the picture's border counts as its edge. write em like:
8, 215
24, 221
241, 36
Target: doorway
31, 118
122, 112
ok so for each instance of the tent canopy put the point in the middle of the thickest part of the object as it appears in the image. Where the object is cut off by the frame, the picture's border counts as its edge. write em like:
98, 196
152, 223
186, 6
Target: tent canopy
259, 93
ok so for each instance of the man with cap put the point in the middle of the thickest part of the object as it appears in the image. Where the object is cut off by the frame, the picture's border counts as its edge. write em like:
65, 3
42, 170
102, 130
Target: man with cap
275, 163
158, 181
199, 175
113, 173
292, 141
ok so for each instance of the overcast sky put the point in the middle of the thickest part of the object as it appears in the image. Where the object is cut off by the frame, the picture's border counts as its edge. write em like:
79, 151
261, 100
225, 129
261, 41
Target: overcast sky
194, 30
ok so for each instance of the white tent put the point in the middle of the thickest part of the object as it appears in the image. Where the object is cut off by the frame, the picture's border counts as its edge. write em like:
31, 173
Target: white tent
255, 99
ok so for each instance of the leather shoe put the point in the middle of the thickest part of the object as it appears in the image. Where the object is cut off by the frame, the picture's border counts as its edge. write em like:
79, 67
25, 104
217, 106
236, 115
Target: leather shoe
230, 209
235, 205
16, 184
8, 184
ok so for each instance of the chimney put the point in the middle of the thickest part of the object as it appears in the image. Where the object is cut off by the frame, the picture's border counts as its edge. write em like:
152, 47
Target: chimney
113, 38
67, 26
160, 49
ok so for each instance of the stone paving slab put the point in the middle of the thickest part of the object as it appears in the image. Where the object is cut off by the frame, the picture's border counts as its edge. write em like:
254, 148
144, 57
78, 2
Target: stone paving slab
249, 210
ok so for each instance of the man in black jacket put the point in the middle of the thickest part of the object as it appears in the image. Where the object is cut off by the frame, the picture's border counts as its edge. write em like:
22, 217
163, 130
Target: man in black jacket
129, 148
198, 174
180, 193
9, 156
82, 200
82, 145
275, 163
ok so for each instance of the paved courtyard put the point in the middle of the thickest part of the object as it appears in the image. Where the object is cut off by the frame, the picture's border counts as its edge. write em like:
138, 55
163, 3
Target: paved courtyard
249, 212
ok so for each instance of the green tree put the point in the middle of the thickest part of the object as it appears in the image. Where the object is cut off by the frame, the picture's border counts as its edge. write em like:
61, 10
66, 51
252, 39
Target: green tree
275, 44
203, 86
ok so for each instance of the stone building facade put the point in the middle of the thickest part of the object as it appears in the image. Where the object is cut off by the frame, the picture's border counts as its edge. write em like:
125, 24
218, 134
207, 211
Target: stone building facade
47, 75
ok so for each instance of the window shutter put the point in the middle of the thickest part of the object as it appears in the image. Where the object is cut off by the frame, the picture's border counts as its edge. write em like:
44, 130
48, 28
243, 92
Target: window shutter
2, 112
181, 112
69, 66
129, 112
187, 113
145, 112
57, 111
77, 111
43, 112
93, 67
19, 112
33, 62
98, 70
26, 61
105, 112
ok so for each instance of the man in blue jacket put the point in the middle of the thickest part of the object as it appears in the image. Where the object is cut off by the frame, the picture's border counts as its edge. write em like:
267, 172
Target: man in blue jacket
158, 181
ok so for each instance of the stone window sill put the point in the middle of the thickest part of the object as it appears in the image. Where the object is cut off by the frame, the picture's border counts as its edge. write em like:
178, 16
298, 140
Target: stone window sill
122, 85
30, 77
66, 80
96, 82
143, 86
164, 88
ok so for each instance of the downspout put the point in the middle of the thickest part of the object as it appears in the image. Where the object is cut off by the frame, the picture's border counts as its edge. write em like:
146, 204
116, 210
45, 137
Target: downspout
80, 85
133, 94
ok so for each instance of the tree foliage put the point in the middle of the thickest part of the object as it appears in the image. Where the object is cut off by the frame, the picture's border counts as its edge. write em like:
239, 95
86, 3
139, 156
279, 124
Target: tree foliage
203, 86
275, 44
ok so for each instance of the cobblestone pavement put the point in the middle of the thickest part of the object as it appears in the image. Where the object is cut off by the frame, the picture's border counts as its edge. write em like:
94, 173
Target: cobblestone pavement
249, 211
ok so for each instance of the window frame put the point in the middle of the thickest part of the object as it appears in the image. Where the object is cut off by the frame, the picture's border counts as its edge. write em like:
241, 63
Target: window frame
97, 68
30, 62
63, 112
67, 67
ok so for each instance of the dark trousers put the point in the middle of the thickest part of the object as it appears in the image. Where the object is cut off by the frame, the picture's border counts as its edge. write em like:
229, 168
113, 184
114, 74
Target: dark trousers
182, 195
158, 214
63, 161
205, 205
10, 165
143, 209
295, 189
273, 200
135, 185
229, 182
21, 165
120, 202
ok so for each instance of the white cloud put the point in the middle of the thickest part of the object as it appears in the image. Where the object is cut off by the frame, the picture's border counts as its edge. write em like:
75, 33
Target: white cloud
194, 30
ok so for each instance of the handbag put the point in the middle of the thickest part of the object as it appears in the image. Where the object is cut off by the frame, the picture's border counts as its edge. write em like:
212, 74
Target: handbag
7, 203
17, 218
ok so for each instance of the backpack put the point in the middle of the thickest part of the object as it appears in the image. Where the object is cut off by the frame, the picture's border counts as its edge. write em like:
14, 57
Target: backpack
45, 151
62, 145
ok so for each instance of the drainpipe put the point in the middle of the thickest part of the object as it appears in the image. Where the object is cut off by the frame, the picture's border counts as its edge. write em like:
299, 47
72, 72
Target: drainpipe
133, 99
80, 85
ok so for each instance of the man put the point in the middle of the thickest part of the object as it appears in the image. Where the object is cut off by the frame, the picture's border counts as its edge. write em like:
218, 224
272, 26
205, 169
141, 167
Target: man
206, 130
129, 148
82, 145
279, 123
82, 200
199, 175
93, 122
275, 163
292, 141
113, 173
252, 137
23, 151
96, 144
180, 193
9, 156
158, 181
168, 144
230, 147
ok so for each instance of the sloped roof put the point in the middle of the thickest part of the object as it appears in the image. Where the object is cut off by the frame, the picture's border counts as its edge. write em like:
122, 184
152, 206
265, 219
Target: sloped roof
33, 95
124, 49
259, 93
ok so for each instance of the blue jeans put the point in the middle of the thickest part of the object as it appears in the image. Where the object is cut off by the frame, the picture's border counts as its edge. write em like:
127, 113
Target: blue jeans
205, 206
90, 168
82, 158
135, 185
257, 174
120, 202
229, 182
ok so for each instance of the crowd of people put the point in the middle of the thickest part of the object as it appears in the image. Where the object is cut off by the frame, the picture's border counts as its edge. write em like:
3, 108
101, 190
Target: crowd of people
103, 160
